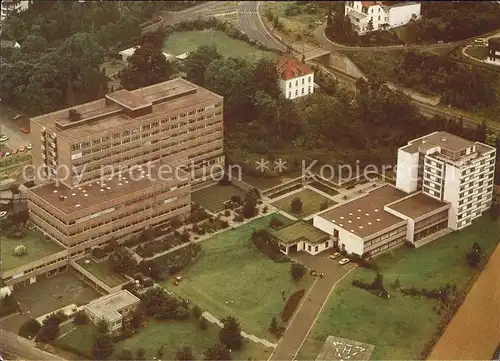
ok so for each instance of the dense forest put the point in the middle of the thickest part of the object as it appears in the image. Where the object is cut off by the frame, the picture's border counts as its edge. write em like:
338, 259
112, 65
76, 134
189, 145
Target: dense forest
63, 44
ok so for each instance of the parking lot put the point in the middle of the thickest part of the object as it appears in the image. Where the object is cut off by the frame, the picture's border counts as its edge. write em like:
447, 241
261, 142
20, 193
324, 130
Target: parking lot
12, 129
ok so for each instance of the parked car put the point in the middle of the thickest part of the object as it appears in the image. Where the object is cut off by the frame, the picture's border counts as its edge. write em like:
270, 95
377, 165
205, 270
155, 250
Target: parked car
6, 154
14, 151
18, 116
25, 130
23, 149
3, 138
3, 214
29, 146
333, 256
344, 261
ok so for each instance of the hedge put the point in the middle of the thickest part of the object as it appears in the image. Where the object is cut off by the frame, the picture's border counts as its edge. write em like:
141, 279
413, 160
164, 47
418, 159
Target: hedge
291, 305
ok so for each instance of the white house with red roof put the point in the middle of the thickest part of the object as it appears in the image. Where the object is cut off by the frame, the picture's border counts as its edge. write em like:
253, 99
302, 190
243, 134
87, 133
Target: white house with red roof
383, 14
296, 79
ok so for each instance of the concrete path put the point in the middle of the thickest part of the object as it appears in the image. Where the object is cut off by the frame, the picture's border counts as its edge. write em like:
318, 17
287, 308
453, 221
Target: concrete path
311, 305
473, 332
212, 319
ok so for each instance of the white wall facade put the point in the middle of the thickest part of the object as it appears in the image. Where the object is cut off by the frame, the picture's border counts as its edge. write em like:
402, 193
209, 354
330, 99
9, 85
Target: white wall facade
8, 7
401, 15
297, 87
347, 240
407, 171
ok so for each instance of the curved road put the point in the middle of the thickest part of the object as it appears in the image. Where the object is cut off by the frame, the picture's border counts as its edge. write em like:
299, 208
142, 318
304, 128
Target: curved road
252, 25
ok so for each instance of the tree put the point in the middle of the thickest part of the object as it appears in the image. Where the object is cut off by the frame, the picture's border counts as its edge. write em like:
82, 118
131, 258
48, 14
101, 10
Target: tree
160, 352
50, 327
369, 26
396, 283
217, 351
297, 271
145, 67
273, 326
296, 205
102, 347
81, 318
122, 261
230, 334
198, 61
197, 311
140, 354
126, 354
473, 257
202, 321
186, 354
250, 207
103, 326
34, 44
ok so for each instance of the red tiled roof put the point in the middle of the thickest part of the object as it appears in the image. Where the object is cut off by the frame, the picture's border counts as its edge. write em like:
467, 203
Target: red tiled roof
289, 67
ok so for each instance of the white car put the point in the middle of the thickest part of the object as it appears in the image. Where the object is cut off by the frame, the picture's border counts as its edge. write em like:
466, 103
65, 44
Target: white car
3, 138
344, 261
29, 146
3, 214
333, 256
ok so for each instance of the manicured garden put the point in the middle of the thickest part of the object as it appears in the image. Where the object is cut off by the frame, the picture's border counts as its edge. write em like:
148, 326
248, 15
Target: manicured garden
103, 271
35, 244
230, 273
312, 202
213, 197
181, 42
402, 326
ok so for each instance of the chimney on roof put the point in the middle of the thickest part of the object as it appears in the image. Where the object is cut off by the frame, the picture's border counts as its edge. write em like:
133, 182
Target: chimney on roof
74, 115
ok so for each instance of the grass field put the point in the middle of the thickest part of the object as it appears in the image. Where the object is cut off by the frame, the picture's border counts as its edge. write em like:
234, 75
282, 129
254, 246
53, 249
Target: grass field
103, 271
187, 41
173, 335
311, 202
400, 327
35, 246
213, 197
231, 270
477, 51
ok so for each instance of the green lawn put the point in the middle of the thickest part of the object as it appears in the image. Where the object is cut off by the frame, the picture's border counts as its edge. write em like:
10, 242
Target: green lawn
311, 202
36, 248
103, 271
173, 335
400, 327
478, 52
231, 270
213, 197
187, 41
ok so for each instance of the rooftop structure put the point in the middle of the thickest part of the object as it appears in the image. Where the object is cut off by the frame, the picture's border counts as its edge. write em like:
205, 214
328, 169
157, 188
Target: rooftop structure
493, 51
366, 216
301, 235
296, 79
111, 308
417, 205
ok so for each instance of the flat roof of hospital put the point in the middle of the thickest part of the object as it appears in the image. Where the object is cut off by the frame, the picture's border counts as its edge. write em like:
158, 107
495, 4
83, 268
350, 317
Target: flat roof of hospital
366, 215
107, 307
300, 231
417, 205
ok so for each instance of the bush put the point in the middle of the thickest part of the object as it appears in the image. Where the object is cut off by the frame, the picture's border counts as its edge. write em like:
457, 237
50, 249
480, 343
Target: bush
202, 321
238, 218
276, 223
99, 253
266, 244
30, 329
148, 282
197, 311
376, 287
8, 305
291, 305
81, 318
227, 213
297, 271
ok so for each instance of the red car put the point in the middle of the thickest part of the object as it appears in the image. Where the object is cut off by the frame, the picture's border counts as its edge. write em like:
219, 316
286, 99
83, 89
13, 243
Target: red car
25, 130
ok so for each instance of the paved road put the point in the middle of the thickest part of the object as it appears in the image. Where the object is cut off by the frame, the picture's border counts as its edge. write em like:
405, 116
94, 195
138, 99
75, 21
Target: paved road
252, 25
22, 348
473, 332
11, 128
311, 305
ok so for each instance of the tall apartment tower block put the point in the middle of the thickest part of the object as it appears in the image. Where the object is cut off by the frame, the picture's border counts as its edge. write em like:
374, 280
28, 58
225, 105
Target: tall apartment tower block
450, 169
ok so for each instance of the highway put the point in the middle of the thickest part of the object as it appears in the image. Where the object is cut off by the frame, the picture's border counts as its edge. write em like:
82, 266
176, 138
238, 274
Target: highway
252, 25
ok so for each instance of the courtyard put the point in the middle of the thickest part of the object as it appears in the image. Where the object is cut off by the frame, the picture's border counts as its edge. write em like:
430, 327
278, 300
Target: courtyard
311, 203
213, 197
187, 41
103, 271
36, 247
231, 275
173, 335
408, 323
48, 295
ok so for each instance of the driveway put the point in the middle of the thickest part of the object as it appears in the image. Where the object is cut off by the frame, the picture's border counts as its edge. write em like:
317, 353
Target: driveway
312, 303
12, 128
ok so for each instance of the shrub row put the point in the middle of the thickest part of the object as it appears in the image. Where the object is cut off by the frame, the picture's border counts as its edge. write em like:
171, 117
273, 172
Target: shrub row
268, 246
291, 305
